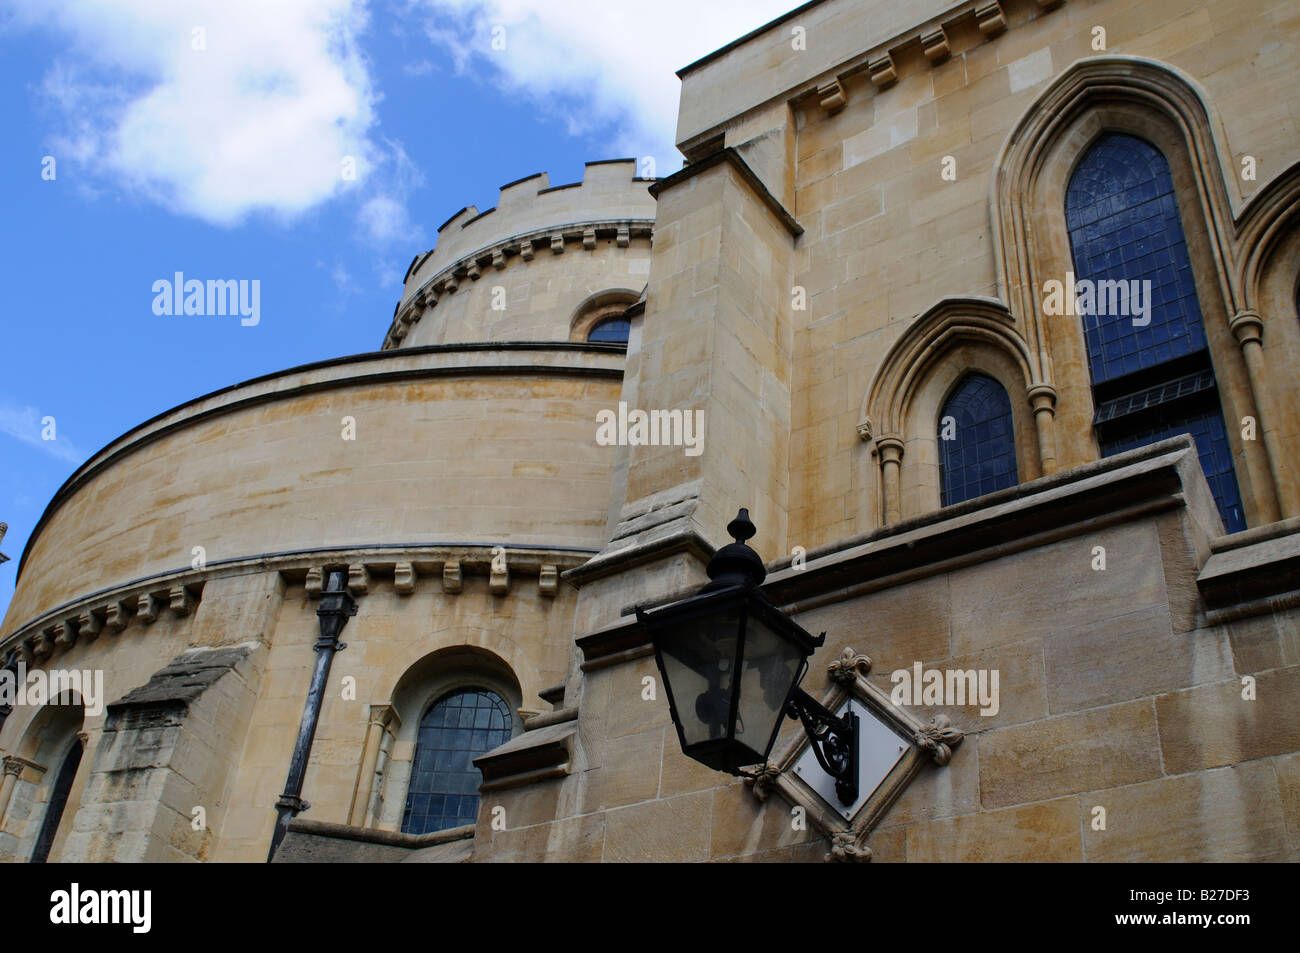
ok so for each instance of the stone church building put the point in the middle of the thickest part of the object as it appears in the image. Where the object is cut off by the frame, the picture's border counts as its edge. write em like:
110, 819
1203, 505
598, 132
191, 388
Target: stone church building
987, 313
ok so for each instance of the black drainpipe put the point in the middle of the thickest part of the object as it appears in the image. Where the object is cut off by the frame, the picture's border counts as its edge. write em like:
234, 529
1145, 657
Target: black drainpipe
336, 607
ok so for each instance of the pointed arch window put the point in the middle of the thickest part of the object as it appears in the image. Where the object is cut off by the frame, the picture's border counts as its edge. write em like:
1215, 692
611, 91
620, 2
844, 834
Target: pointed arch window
459, 727
977, 447
1147, 350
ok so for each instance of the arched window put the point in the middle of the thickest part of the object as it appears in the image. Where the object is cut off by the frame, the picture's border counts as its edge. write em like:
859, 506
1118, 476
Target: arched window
459, 727
1147, 350
611, 330
977, 448
58, 800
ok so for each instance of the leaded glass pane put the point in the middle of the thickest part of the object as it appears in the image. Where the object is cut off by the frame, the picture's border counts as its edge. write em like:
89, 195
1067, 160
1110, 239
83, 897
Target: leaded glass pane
977, 448
444, 782
1124, 226
611, 331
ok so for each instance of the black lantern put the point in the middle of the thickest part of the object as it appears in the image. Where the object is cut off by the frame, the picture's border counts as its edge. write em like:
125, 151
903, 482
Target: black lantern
731, 662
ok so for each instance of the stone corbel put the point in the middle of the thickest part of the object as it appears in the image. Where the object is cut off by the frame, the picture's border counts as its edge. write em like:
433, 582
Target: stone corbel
119, 613
499, 578
935, 45
147, 607
180, 601
589, 238
548, 581
64, 634
88, 625
832, 96
865, 429
43, 646
451, 577
315, 582
526, 251
557, 244
472, 270
883, 71
404, 576
991, 18
358, 579
498, 259
624, 237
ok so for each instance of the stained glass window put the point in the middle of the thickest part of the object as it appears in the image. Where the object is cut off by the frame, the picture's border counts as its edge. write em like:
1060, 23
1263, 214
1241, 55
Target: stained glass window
611, 331
1147, 351
977, 447
459, 727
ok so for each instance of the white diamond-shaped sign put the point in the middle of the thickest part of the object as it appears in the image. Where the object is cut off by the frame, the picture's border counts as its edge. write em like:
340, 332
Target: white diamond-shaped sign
879, 750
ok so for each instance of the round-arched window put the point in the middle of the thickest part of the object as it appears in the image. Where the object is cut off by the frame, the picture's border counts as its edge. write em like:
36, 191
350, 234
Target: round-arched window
610, 331
459, 727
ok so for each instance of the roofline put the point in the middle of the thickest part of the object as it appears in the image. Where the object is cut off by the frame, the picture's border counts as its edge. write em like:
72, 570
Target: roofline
723, 50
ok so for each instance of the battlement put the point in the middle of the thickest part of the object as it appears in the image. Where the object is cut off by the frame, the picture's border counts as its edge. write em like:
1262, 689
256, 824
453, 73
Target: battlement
610, 190
531, 218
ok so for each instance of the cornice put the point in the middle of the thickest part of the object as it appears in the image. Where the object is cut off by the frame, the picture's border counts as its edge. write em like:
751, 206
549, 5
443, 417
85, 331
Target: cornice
521, 247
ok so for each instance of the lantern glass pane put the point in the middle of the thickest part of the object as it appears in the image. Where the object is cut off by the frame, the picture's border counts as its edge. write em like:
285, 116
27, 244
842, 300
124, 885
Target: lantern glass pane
770, 667
698, 657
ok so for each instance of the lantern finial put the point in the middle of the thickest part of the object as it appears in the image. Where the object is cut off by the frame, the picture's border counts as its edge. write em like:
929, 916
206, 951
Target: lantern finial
736, 564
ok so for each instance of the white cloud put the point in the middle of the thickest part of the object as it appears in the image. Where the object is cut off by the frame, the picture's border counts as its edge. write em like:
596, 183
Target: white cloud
595, 64
260, 119
27, 424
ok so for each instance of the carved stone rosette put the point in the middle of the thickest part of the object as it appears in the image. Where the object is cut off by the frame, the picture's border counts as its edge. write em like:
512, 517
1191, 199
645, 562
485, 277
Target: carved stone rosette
939, 737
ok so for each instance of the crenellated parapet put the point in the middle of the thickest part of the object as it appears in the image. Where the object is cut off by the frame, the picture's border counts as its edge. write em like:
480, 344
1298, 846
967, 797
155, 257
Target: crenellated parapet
531, 222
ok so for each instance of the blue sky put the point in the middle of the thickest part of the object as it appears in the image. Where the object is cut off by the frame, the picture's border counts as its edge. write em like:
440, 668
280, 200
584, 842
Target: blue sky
208, 137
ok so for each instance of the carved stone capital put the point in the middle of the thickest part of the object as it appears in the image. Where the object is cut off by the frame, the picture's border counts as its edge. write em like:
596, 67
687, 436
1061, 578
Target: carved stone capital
848, 667
381, 715
890, 448
865, 429
1247, 327
1043, 397
939, 737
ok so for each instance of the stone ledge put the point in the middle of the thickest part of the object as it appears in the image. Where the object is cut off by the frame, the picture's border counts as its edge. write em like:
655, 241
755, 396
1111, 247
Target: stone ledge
320, 841
1156, 478
1253, 572
536, 755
